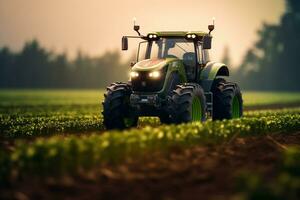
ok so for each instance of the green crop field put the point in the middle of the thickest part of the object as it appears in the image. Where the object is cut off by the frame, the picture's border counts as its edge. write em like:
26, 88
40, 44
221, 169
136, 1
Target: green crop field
53, 134
252, 98
38, 112
94, 97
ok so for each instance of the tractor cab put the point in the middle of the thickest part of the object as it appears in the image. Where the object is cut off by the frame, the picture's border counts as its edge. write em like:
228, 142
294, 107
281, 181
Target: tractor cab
175, 45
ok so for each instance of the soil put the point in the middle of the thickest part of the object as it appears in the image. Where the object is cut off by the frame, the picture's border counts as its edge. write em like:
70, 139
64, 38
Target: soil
198, 172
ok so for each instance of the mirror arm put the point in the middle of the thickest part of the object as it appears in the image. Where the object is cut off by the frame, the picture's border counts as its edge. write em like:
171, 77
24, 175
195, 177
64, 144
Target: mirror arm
131, 36
138, 32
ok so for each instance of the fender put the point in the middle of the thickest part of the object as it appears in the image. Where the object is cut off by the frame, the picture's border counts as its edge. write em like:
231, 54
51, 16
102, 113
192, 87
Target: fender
210, 72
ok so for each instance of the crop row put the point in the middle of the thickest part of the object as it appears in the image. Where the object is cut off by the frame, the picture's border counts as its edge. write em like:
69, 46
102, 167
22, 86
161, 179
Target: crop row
285, 184
31, 124
57, 155
20, 126
271, 112
76, 110
12, 126
49, 110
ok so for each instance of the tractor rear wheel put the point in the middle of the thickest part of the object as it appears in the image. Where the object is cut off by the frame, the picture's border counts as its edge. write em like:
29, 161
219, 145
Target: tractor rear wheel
188, 103
117, 112
227, 100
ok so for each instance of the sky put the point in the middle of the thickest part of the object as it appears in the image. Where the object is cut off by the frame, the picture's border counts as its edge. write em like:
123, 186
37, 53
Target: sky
95, 26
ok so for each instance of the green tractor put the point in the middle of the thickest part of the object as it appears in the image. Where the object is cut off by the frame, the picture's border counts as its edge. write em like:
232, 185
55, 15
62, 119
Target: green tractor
174, 79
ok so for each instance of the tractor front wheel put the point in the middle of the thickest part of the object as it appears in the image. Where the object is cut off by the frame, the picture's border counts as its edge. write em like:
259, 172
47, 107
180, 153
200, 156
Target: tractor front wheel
188, 103
117, 113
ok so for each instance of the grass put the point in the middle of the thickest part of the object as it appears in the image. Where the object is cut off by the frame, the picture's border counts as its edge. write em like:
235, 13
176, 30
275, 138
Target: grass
50, 97
94, 97
26, 113
252, 98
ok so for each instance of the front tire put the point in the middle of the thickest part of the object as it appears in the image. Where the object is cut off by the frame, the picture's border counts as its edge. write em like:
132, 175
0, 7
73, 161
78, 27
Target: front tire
188, 103
165, 115
117, 113
227, 100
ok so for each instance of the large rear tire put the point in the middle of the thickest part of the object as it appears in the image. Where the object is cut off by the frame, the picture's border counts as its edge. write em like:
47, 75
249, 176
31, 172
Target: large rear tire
227, 100
188, 103
117, 113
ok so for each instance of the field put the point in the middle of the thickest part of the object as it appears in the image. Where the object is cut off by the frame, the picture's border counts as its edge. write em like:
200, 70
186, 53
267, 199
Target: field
54, 146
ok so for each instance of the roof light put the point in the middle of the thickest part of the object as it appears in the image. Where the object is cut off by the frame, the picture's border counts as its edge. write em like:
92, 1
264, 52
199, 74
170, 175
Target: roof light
152, 36
191, 36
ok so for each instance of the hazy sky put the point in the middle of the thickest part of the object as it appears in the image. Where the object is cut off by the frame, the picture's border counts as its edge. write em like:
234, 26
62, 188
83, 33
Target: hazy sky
97, 25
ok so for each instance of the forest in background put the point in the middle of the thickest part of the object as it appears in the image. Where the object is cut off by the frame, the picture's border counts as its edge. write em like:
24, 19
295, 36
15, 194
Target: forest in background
271, 64
273, 61
36, 67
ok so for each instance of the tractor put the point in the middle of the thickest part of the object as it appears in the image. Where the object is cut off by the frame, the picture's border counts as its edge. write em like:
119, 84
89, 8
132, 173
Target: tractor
174, 79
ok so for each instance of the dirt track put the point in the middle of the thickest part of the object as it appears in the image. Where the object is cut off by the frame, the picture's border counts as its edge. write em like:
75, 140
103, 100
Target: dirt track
202, 172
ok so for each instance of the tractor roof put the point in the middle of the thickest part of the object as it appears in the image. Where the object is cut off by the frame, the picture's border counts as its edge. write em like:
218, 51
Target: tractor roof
178, 33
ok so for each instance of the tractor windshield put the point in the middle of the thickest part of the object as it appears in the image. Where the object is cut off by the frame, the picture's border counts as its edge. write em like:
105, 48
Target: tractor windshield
167, 48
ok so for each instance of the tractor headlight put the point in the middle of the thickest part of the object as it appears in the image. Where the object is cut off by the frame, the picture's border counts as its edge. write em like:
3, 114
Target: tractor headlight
134, 74
154, 74
152, 36
191, 36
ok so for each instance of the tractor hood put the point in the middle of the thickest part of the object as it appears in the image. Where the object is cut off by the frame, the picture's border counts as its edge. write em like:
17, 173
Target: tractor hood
152, 64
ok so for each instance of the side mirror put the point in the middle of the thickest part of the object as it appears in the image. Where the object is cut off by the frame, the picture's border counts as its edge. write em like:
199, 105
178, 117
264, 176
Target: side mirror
136, 27
211, 28
207, 42
124, 43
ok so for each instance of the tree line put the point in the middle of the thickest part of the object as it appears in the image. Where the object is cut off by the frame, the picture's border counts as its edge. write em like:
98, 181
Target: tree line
36, 67
271, 64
